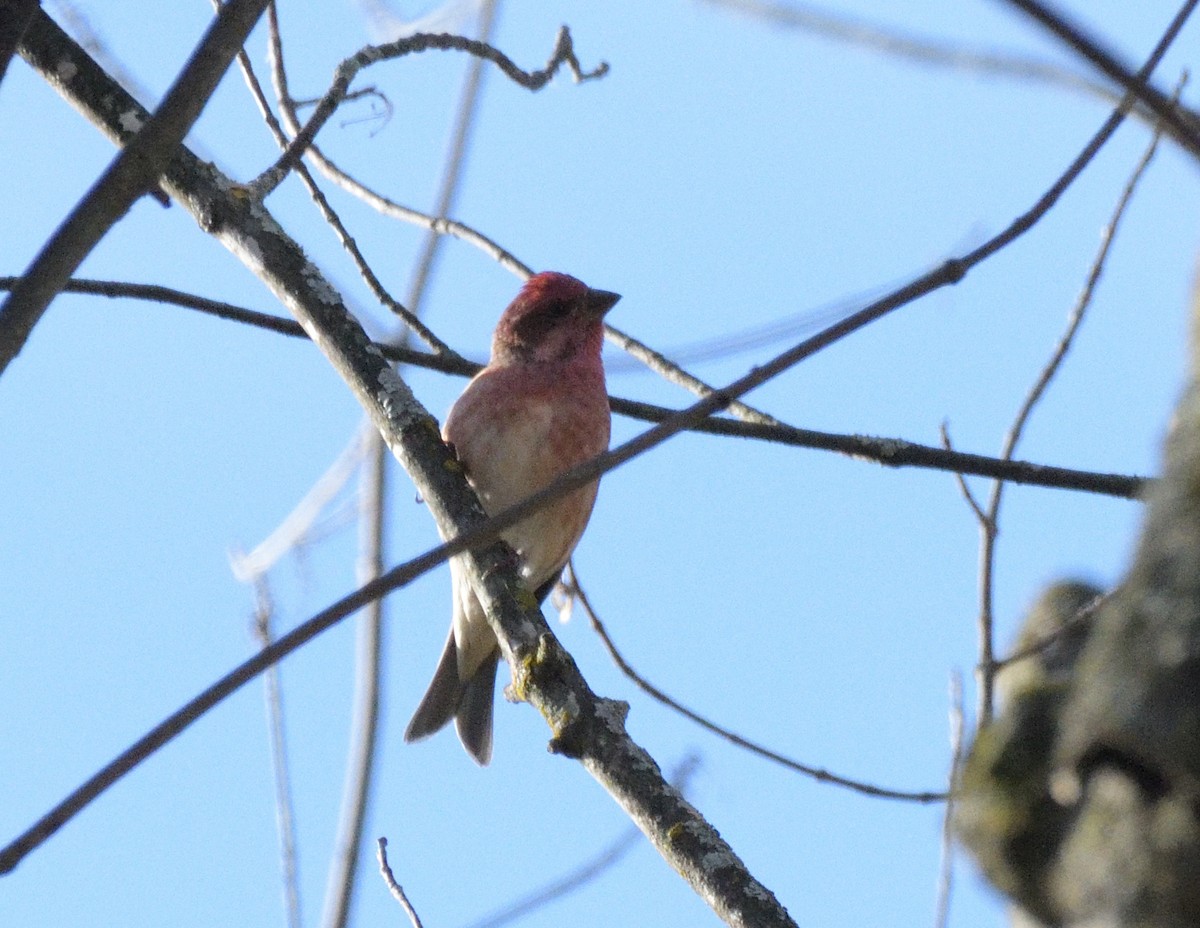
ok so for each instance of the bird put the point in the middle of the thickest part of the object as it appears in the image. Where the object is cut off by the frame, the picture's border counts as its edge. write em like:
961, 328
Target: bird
538, 408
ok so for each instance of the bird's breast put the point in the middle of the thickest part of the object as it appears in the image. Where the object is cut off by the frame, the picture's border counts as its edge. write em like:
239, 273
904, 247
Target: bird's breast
515, 436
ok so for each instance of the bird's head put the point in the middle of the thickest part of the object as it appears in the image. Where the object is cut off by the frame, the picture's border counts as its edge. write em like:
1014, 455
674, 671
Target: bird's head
555, 318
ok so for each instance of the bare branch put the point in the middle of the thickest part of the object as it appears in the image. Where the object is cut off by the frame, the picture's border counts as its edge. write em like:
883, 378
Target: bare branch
840, 27
285, 813
132, 173
1182, 128
890, 452
362, 754
455, 158
297, 524
989, 521
384, 205
1084, 300
945, 884
374, 284
960, 479
1064, 627
564, 53
394, 887
581, 876
15, 15
673, 373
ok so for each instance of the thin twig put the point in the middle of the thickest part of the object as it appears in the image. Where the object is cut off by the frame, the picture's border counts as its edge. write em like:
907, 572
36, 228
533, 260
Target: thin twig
297, 525
285, 813
841, 27
1183, 129
394, 887
990, 522
563, 54
342, 878
1082, 617
959, 476
945, 884
673, 373
374, 284
586, 873
572, 588
780, 330
985, 622
456, 157
377, 201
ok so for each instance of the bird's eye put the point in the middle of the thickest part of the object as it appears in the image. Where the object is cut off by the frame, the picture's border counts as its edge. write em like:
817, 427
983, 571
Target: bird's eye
558, 309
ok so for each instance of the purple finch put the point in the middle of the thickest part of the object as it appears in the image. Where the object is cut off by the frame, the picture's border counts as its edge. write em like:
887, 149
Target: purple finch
539, 408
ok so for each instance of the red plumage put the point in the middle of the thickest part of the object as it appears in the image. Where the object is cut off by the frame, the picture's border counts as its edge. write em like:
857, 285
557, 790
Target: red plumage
539, 408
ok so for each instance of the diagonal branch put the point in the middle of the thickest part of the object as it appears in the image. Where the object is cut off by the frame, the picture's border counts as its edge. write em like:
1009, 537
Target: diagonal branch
842, 27
14, 17
333, 220
1182, 129
377, 201
132, 173
587, 872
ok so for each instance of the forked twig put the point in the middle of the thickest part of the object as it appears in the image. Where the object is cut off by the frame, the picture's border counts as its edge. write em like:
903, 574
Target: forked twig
989, 519
563, 54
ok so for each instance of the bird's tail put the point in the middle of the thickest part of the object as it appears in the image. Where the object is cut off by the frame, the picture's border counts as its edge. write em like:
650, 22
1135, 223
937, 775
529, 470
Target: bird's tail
468, 702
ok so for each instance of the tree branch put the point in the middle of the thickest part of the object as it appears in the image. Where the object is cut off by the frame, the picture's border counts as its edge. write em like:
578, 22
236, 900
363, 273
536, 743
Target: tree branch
840, 27
14, 17
1183, 129
132, 173
394, 888
334, 221
890, 452
989, 523
564, 53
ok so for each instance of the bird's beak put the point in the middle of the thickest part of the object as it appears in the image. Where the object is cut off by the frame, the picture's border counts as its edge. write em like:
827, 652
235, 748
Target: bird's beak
598, 302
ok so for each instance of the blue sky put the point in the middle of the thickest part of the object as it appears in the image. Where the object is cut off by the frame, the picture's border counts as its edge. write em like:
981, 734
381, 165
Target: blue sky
727, 174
